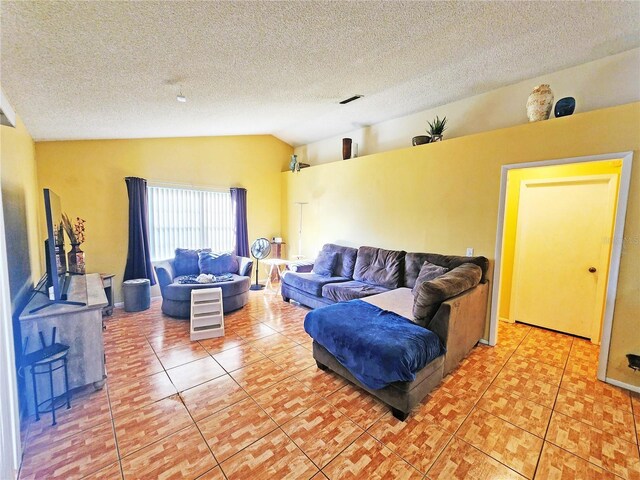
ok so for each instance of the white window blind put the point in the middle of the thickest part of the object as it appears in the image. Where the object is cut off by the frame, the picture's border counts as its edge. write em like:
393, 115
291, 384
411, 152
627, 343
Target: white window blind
189, 218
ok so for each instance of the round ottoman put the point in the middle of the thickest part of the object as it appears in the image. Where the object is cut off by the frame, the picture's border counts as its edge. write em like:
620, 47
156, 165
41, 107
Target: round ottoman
137, 294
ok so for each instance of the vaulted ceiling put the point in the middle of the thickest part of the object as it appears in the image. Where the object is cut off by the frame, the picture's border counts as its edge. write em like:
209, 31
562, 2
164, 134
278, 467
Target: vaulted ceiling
89, 70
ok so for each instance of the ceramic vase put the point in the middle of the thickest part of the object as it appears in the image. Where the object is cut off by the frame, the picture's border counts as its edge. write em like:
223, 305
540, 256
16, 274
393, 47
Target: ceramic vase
565, 106
539, 103
76, 259
346, 148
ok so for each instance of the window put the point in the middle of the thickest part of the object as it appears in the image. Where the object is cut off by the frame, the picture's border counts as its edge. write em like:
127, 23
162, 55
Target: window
189, 218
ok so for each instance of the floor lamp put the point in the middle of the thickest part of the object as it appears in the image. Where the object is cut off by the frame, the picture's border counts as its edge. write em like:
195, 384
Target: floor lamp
299, 255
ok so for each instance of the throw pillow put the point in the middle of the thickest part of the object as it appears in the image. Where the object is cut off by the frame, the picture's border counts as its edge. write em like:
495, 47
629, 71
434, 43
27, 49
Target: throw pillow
430, 294
217, 263
186, 261
325, 263
429, 271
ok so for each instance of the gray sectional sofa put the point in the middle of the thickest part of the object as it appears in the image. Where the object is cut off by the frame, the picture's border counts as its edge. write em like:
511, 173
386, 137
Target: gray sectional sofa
365, 271
454, 306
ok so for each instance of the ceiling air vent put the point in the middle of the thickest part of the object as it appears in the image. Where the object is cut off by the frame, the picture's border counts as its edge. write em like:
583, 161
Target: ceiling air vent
350, 99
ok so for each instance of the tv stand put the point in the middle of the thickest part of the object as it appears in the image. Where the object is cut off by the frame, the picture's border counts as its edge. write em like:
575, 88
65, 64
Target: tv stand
63, 300
51, 303
79, 324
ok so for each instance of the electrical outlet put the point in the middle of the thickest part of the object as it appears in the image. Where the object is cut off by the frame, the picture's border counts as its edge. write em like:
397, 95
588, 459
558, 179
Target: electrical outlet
469, 251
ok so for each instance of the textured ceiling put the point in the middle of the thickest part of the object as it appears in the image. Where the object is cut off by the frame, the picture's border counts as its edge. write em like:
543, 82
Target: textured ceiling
80, 70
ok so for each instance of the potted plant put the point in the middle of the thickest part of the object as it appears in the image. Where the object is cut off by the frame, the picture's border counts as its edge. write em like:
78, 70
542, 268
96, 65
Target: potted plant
437, 128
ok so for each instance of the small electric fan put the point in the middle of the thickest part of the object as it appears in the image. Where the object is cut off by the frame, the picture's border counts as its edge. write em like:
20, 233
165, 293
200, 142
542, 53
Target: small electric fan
260, 250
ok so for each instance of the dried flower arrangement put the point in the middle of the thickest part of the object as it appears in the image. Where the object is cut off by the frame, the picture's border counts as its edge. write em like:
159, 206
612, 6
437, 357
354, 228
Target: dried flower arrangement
75, 231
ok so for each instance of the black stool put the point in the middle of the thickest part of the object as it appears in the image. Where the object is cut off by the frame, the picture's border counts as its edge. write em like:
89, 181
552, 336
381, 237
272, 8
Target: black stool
44, 362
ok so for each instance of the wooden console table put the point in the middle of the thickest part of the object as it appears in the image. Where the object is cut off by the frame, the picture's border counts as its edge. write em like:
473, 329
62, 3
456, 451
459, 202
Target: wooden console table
79, 327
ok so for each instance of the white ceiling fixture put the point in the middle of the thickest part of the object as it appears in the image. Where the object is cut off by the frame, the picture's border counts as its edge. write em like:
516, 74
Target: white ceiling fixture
89, 70
181, 98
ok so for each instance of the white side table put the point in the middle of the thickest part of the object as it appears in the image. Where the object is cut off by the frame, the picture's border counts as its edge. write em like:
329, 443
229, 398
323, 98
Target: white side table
207, 319
278, 266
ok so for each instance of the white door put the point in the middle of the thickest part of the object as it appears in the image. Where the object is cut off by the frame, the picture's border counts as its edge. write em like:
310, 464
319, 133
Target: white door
563, 243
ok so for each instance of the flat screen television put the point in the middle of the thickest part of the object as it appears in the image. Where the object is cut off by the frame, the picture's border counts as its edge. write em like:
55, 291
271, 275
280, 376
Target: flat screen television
57, 277
54, 243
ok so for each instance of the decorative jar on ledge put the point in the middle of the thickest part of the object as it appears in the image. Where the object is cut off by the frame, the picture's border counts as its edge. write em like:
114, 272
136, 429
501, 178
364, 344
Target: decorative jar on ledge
539, 103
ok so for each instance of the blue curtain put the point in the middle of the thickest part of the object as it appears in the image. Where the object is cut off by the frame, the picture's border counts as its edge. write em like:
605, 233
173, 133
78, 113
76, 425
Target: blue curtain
138, 256
239, 203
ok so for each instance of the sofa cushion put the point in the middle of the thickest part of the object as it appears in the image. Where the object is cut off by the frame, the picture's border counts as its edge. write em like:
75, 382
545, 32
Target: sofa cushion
325, 263
345, 291
398, 300
429, 271
186, 261
182, 291
346, 260
377, 266
429, 295
217, 263
310, 283
413, 263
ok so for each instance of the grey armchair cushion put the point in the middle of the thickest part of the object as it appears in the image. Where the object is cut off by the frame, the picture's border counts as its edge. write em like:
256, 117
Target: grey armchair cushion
245, 266
217, 263
325, 263
310, 283
429, 271
186, 261
346, 260
413, 263
377, 266
345, 291
430, 294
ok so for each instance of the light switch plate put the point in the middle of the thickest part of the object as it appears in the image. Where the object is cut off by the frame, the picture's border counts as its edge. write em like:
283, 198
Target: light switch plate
469, 251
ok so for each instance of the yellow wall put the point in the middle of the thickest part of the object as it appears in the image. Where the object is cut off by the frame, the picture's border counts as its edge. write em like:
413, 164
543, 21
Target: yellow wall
514, 179
21, 200
89, 178
443, 197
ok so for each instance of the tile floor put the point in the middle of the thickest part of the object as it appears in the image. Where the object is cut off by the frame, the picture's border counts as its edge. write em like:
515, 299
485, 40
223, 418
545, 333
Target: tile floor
253, 405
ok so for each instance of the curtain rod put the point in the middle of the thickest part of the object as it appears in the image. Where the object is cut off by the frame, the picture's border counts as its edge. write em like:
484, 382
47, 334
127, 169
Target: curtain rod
191, 186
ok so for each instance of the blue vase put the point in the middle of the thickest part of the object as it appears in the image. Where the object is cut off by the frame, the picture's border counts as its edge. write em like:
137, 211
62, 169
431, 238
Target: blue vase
565, 106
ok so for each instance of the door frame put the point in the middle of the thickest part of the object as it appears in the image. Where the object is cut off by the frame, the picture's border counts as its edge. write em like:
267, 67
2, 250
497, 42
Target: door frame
616, 247
11, 447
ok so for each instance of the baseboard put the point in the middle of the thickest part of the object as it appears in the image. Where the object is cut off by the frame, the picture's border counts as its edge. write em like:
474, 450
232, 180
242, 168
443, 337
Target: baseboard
483, 341
620, 384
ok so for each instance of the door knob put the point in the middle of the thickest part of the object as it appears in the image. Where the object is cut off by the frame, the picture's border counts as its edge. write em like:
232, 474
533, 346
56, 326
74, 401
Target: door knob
592, 269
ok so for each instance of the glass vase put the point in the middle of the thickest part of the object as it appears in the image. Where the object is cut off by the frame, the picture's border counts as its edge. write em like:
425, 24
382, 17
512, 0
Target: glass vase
76, 259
